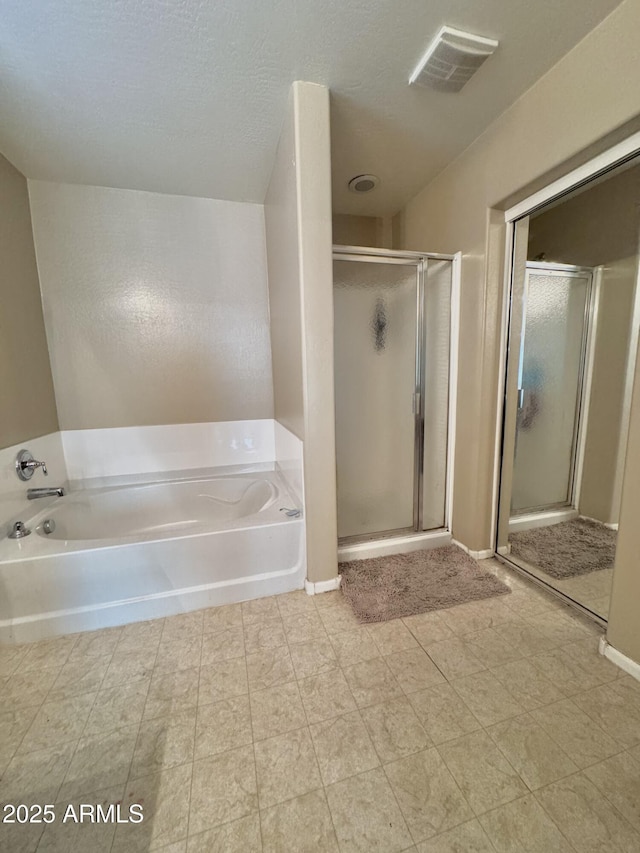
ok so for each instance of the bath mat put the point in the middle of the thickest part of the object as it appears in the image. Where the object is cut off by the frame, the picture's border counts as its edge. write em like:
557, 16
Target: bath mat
405, 584
567, 549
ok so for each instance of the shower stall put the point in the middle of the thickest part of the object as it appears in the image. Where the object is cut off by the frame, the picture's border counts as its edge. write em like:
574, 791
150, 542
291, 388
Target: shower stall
394, 407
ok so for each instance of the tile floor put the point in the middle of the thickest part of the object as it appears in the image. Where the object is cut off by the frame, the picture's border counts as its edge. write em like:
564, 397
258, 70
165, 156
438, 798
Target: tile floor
284, 725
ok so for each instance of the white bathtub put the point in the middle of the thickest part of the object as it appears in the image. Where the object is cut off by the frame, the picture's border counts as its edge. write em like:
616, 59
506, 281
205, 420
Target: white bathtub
128, 553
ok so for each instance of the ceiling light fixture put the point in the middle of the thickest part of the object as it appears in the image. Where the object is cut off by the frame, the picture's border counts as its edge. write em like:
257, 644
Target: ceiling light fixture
451, 60
363, 183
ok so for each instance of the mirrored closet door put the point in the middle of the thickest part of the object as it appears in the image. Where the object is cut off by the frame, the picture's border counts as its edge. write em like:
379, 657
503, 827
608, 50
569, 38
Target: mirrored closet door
572, 344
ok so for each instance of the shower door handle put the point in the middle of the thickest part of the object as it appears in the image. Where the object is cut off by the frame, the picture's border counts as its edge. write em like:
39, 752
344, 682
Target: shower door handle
416, 402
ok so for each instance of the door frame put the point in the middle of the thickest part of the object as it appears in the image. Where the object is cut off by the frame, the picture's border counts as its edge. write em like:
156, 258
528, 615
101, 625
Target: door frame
420, 260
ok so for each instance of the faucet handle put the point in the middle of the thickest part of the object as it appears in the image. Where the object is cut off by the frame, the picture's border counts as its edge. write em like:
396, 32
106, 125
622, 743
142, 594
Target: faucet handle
26, 465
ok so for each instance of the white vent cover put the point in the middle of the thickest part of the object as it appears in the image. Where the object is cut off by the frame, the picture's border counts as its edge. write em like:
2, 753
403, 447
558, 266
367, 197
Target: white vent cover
451, 60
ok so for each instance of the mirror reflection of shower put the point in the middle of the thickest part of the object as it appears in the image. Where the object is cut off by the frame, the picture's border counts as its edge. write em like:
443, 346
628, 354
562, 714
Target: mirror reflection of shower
573, 341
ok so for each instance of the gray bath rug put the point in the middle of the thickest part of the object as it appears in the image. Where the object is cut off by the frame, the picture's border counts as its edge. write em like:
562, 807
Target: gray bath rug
567, 549
404, 584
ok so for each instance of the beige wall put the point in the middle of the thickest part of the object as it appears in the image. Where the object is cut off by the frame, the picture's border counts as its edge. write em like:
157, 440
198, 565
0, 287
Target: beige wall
559, 122
349, 230
156, 306
298, 224
27, 401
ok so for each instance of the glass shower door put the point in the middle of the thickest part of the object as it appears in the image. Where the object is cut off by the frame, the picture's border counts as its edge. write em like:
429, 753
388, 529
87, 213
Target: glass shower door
549, 388
376, 330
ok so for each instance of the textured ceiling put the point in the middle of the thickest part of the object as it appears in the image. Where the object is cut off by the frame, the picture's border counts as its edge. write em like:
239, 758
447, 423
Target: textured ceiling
188, 96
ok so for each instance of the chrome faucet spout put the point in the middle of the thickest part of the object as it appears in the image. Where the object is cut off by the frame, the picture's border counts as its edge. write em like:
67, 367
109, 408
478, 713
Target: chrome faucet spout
54, 492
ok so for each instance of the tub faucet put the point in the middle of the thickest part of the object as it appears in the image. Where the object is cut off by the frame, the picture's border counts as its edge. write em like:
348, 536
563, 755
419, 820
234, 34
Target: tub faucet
53, 492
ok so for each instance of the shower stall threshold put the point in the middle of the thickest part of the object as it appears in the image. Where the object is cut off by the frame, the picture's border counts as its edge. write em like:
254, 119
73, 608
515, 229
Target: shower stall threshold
394, 545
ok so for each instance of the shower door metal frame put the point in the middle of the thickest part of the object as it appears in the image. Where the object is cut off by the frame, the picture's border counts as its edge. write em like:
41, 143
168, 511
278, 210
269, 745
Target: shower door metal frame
420, 261
584, 378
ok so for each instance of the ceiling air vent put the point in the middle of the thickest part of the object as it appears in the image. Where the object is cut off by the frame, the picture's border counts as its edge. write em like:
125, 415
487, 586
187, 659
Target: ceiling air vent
451, 60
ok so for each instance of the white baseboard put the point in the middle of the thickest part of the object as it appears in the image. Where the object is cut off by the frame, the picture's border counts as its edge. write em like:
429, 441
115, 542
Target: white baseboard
316, 588
630, 666
477, 555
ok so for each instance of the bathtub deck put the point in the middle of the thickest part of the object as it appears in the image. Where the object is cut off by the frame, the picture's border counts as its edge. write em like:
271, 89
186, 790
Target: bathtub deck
283, 724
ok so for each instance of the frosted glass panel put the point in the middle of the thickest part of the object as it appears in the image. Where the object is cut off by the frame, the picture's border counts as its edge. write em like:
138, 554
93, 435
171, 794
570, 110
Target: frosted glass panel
437, 316
375, 357
549, 383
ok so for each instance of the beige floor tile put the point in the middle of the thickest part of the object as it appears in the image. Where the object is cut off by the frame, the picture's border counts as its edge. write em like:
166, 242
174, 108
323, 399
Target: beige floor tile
303, 627
559, 625
524, 638
343, 747
172, 692
130, 666
313, 658
618, 779
183, 626
117, 707
79, 675
100, 761
37, 776
140, 636
582, 739
429, 798
222, 680
21, 838
269, 667
222, 618
523, 827
74, 837
414, 670
582, 814
326, 695
487, 699
176, 654
565, 672
372, 682
537, 758
527, 684
96, 644
239, 836
223, 789
48, 653
467, 838
490, 648
366, 815
482, 772
333, 598
392, 636
352, 647
259, 610
10, 659
454, 659
587, 654
616, 708
264, 634
286, 767
476, 615
276, 710
58, 722
25, 689
223, 645
282, 825
13, 727
163, 743
338, 618
395, 729
428, 628
298, 601
532, 601
222, 726
165, 800
443, 713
